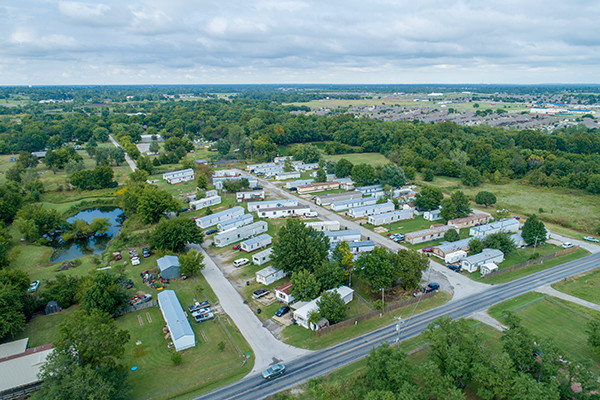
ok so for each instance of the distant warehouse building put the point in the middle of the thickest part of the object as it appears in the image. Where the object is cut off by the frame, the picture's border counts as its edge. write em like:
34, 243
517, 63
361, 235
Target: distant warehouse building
214, 219
236, 222
180, 330
183, 175
256, 243
365, 211
390, 217
206, 202
235, 235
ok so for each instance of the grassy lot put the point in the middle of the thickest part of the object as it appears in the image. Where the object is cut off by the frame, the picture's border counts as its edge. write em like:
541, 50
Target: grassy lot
519, 273
583, 286
566, 211
301, 337
359, 158
548, 317
42, 329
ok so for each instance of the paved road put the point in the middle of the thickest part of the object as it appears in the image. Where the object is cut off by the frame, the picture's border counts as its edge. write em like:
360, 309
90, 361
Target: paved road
267, 349
322, 362
127, 158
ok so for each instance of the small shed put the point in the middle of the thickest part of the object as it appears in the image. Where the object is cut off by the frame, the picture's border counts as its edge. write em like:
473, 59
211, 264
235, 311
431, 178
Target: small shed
268, 275
487, 268
168, 266
52, 307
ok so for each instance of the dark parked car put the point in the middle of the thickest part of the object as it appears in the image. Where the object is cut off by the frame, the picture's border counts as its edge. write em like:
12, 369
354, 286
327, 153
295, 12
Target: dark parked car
427, 250
282, 311
431, 287
211, 231
274, 371
257, 188
454, 267
145, 252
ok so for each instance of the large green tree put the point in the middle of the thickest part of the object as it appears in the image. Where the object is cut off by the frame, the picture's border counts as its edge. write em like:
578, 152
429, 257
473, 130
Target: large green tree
174, 234
534, 231
485, 198
429, 198
191, 263
363, 174
305, 286
500, 241
456, 206
299, 247
409, 265
392, 175
105, 294
332, 307
329, 274
470, 176
343, 168
152, 203
377, 270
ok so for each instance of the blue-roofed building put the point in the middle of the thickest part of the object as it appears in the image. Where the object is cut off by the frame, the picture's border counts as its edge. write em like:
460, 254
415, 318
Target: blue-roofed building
168, 266
180, 329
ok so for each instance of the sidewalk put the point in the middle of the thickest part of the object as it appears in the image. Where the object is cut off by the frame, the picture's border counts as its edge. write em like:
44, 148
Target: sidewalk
549, 290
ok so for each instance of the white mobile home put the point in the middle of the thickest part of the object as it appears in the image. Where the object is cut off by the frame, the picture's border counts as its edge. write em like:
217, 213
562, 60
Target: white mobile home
365, 246
449, 247
426, 235
225, 172
295, 184
235, 235
211, 193
327, 199
180, 329
218, 182
183, 175
455, 256
366, 190
265, 205
472, 263
507, 226
302, 313
262, 257
236, 222
343, 236
281, 159
323, 226
213, 219
390, 217
256, 243
365, 211
347, 204
268, 275
287, 175
250, 196
282, 212
282, 294
206, 202
432, 215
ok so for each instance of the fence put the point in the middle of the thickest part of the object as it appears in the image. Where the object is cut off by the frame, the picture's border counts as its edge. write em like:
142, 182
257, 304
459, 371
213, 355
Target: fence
141, 306
375, 313
21, 392
530, 262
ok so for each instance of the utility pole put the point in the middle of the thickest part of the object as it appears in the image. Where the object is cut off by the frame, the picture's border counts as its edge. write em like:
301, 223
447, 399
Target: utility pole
382, 300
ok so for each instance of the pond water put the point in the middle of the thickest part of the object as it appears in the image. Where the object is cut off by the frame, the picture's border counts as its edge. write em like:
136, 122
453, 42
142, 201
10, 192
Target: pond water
73, 249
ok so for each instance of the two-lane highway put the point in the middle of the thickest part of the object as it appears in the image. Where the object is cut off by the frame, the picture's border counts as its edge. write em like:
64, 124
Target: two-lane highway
322, 362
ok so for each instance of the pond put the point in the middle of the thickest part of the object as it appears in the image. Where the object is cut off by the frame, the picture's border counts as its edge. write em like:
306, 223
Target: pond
96, 244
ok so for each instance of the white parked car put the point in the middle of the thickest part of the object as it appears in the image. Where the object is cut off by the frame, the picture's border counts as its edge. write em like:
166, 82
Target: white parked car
567, 245
135, 261
240, 261
591, 239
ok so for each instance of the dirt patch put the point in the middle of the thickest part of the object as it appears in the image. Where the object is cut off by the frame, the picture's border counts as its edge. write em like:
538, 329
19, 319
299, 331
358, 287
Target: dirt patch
380, 229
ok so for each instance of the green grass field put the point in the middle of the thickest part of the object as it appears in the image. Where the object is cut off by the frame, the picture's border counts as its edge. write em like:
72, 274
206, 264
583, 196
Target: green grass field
373, 159
548, 317
584, 286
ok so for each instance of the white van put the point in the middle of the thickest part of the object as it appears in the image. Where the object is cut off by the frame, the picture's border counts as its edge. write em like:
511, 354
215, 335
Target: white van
240, 261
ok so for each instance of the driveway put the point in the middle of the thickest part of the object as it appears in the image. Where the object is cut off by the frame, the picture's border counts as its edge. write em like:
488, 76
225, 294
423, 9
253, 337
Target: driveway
591, 247
267, 349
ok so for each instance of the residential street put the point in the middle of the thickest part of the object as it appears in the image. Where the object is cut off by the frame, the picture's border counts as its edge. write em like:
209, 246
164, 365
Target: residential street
127, 158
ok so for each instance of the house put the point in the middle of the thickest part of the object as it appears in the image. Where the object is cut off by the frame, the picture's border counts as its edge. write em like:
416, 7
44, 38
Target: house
343, 236
323, 226
268, 275
471, 220
236, 222
390, 217
256, 243
405, 194
352, 203
487, 268
180, 330
220, 173
267, 169
282, 294
472, 263
281, 176
449, 247
282, 212
510, 225
265, 205
432, 215
426, 235
367, 190
327, 199
168, 266
346, 183
39, 154
52, 307
365, 211
365, 246
302, 314
183, 175
19, 368
206, 202
250, 196
235, 235
201, 162
455, 257
317, 187
295, 184
262, 257
214, 219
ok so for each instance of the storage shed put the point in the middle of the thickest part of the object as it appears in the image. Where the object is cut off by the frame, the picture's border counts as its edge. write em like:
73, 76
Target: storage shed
256, 243
180, 329
168, 266
52, 307
268, 275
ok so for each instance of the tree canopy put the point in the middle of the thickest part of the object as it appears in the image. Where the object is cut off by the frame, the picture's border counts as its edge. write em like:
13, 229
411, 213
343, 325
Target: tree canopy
299, 247
534, 231
429, 198
456, 206
174, 234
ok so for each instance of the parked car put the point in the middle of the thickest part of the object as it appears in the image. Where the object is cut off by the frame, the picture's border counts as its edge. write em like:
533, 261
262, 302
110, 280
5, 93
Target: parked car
135, 261
240, 262
282, 311
204, 317
431, 287
257, 188
591, 239
258, 293
146, 253
34, 286
211, 231
274, 371
201, 311
567, 245
196, 306
236, 247
427, 250
454, 267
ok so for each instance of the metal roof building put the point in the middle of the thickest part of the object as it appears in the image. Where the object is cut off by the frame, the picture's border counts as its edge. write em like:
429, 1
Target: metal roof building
244, 232
168, 266
19, 367
235, 222
176, 319
214, 219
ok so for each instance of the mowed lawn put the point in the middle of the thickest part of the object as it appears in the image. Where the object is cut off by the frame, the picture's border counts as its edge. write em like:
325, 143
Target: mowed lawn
586, 287
360, 158
548, 317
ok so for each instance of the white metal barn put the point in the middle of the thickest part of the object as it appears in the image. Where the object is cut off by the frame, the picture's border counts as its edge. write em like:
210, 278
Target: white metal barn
256, 243
236, 222
365, 211
268, 275
235, 235
262, 257
213, 219
206, 202
390, 217
180, 329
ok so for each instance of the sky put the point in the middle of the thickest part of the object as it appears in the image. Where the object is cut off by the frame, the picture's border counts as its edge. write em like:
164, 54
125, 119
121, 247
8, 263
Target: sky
45, 42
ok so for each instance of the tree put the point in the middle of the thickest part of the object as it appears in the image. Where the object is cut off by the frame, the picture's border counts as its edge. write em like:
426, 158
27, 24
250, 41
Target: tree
332, 307
174, 234
145, 163
202, 181
11, 199
485, 198
153, 203
190, 263
469, 176
299, 247
428, 175
6, 245
429, 198
342, 255
105, 294
534, 232
330, 275
520, 345
475, 246
98, 178
392, 175
154, 147
64, 290
451, 236
343, 168
500, 241
456, 206
363, 174
409, 266
308, 153
321, 175
287, 165
139, 176
305, 286
12, 310
593, 335
376, 269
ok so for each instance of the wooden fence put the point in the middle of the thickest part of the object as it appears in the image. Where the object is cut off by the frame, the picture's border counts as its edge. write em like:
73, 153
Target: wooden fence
141, 306
375, 313
530, 262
